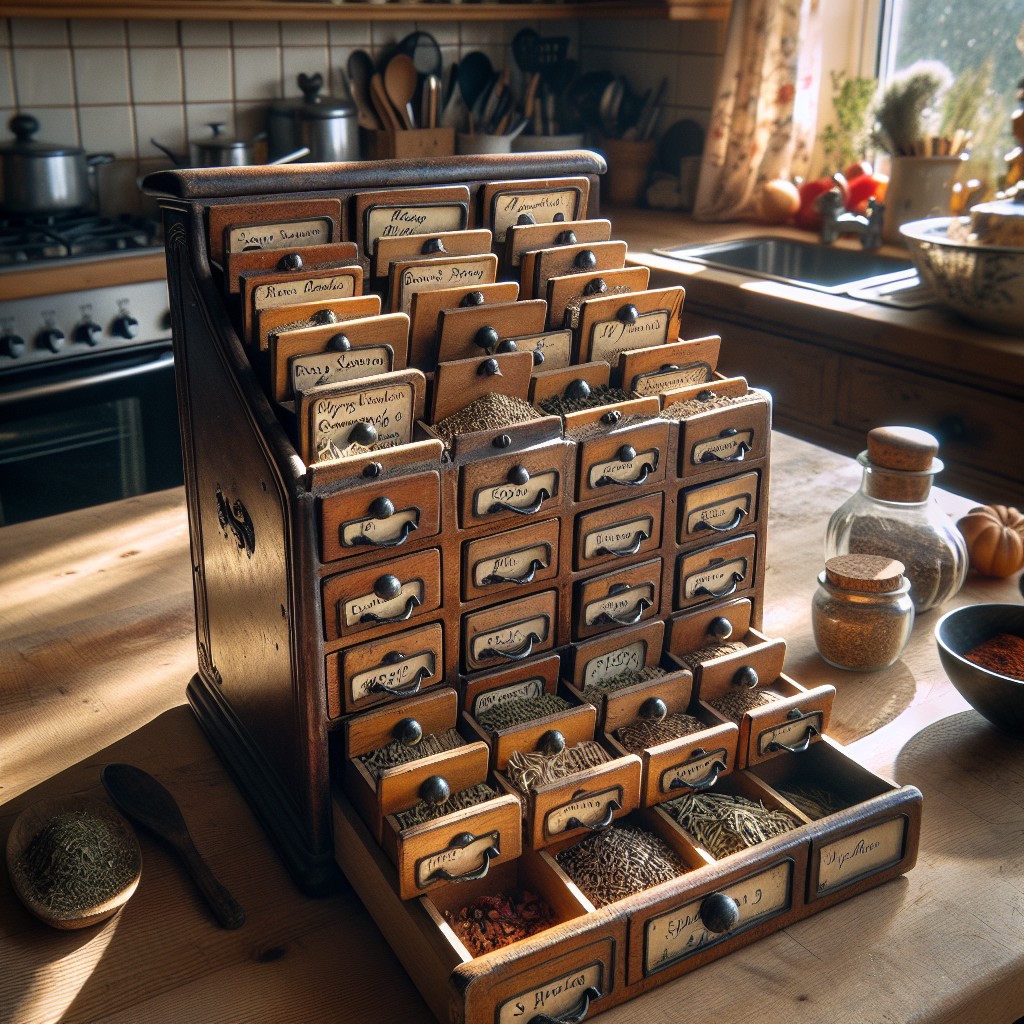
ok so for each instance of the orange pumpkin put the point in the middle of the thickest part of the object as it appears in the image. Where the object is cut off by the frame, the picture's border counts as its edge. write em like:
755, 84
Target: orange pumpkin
995, 539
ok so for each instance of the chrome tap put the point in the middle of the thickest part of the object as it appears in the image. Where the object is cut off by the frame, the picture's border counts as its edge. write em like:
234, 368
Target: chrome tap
836, 220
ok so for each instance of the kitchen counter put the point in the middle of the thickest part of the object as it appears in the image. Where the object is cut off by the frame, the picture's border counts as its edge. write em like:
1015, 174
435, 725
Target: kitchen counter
96, 613
838, 366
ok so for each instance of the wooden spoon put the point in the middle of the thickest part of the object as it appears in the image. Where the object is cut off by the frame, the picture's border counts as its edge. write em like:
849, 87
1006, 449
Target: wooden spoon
400, 81
360, 71
383, 106
147, 803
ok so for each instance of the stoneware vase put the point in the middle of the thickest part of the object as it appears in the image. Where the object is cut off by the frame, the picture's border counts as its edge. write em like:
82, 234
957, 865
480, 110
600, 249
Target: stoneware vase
919, 187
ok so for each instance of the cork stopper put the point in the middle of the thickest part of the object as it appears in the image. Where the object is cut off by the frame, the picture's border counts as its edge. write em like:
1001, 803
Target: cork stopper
903, 462
873, 574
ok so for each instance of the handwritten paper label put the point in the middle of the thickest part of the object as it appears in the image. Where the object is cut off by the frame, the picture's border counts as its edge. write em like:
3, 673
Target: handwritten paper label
388, 408
692, 772
719, 514
328, 367
624, 607
511, 566
435, 274
792, 734
590, 809
673, 936
394, 676
553, 999
280, 236
720, 449
511, 641
525, 689
398, 221
669, 379
610, 338
535, 491
454, 862
374, 608
358, 532
620, 539
544, 207
629, 471
630, 658
303, 289
554, 346
717, 580
859, 854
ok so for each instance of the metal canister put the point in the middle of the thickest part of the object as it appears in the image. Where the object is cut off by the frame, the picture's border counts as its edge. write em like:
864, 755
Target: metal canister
326, 125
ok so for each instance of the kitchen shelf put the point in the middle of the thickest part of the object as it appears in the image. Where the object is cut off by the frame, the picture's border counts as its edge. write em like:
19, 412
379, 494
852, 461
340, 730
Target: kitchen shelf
280, 10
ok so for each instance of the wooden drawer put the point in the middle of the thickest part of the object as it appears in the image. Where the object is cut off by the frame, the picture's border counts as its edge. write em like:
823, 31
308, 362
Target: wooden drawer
615, 533
524, 484
622, 461
624, 597
724, 438
501, 562
385, 670
381, 514
718, 508
697, 638
399, 590
513, 631
791, 722
717, 571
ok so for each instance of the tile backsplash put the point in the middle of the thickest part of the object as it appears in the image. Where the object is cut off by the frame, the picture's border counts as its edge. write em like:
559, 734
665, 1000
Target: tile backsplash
112, 86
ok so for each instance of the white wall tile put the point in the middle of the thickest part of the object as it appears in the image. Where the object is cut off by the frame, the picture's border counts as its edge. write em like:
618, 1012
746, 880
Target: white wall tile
206, 33
5, 32
57, 125
156, 75
349, 33
302, 60
207, 75
107, 129
101, 75
153, 33
43, 77
255, 33
257, 73
39, 32
304, 33
89, 32
199, 117
163, 122
6, 79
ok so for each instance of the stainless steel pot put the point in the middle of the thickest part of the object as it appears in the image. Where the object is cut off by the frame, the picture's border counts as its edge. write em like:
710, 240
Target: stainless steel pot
327, 125
220, 150
43, 177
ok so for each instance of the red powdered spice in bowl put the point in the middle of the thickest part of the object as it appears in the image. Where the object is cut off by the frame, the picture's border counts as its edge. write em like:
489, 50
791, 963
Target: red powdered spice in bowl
981, 648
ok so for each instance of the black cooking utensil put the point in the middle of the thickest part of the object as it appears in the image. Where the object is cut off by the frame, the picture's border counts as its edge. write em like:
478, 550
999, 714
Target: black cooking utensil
425, 52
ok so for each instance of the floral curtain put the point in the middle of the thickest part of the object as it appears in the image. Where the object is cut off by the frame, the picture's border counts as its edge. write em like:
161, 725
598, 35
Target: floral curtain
763, 119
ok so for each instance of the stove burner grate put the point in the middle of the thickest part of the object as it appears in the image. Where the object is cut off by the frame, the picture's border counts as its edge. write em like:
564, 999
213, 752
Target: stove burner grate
59, 236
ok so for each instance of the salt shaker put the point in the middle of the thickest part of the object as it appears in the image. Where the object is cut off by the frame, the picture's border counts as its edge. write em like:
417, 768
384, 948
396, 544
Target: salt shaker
862, 612
894, 514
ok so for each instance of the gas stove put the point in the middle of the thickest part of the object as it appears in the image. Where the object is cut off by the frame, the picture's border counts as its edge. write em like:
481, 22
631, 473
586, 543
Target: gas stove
26, 240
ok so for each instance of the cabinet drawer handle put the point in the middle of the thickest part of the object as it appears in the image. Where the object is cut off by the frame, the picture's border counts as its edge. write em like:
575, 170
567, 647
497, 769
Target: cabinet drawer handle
626, 620
527, 577
410, 689
410, 606
796, 748
443, 875
640, 478
717, 767
575, 1015
737, 518
741, 452
609, 814
407, 527
626, 552
724, 592
518, 655
528, 510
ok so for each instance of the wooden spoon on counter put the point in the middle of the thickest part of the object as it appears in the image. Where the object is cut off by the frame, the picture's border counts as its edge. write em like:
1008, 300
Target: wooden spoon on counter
142, 799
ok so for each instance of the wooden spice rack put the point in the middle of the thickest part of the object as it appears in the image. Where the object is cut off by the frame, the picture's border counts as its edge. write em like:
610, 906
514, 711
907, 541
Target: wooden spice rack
283, 664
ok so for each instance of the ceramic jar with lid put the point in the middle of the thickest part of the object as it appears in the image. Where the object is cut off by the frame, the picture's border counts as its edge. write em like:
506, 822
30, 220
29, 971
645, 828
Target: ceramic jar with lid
895, 515
862, 613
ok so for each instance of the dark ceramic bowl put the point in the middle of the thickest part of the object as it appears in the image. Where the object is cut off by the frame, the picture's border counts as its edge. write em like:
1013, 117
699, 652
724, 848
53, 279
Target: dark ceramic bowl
1000, 698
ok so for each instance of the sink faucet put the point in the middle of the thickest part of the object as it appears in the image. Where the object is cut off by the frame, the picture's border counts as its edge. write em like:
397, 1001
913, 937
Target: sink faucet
836, 220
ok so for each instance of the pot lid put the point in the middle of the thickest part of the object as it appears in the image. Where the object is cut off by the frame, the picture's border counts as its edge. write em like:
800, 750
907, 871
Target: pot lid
24, 126
218, 142
313, 105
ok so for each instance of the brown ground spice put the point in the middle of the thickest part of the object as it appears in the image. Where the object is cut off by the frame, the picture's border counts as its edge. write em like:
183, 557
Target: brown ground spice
1003, 653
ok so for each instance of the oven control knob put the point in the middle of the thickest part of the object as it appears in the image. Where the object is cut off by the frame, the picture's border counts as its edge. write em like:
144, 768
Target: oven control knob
126, 326
88, 332
51, 338
12, 345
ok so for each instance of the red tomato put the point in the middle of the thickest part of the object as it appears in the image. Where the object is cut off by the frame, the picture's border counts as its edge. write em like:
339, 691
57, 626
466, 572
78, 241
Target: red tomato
857, 168
808, 216
863, 188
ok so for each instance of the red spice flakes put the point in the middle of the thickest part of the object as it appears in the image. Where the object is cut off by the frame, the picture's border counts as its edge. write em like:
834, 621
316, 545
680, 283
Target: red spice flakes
491, 922
1004, 653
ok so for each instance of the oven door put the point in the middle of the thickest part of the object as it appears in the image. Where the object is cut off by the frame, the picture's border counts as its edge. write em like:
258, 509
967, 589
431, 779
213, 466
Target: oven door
72, 437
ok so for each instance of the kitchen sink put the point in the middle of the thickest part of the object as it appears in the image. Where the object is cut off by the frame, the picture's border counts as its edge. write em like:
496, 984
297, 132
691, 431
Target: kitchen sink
809, 264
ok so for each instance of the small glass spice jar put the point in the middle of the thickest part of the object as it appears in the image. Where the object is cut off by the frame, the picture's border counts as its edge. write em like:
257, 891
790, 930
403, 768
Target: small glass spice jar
894, 514
862, 612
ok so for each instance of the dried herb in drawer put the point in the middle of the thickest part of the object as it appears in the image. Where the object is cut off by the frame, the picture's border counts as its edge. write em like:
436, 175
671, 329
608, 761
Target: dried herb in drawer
609, 684
619, 862
396, 752
736, 703
691, 659
814, 801
641, 734
491, 411
725, 823
584, 397
693, 406
525, 709
426, 811
527, 769
490, 922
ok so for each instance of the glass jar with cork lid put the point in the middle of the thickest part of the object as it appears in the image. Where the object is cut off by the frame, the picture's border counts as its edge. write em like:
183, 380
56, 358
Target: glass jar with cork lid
862, 613
895, 515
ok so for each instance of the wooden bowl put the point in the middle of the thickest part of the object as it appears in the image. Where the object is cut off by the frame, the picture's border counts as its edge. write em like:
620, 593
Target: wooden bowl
31, 823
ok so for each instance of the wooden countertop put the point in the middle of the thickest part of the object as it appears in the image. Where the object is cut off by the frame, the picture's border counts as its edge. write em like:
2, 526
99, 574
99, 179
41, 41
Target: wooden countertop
96, 625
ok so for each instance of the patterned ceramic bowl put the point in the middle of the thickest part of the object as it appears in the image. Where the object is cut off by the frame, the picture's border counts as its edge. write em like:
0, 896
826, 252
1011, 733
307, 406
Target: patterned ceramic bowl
984, 283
